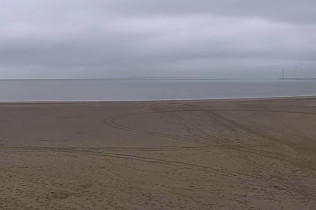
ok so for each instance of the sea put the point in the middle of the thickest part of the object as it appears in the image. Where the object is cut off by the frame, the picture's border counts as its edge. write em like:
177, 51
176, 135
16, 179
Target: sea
150, 89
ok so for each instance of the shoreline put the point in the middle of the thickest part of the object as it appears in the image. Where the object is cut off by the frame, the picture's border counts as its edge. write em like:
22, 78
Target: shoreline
153, 101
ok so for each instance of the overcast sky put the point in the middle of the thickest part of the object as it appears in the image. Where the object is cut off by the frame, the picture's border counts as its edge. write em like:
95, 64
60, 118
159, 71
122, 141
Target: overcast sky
151, 38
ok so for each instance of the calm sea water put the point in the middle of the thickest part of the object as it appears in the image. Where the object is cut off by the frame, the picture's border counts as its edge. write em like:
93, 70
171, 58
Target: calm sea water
134, 90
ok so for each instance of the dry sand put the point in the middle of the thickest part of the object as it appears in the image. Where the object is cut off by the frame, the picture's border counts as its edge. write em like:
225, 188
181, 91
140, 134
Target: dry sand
215, 154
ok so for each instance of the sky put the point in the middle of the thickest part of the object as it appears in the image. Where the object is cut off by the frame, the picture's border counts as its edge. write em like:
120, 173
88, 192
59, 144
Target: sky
151, 38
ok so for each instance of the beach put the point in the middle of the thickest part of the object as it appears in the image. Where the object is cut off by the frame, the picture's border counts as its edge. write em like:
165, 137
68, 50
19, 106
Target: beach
202, 154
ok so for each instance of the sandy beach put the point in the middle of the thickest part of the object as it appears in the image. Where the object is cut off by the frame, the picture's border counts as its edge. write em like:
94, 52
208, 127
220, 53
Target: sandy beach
210, 154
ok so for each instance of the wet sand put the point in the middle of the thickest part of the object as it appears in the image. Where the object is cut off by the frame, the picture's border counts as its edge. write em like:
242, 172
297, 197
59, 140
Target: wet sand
211, 154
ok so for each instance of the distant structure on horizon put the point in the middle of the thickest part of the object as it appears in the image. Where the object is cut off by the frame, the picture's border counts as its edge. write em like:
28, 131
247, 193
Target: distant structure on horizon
282, 73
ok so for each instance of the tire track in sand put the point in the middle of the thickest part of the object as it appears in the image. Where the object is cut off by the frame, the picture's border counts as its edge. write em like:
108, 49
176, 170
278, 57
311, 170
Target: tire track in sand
206, 145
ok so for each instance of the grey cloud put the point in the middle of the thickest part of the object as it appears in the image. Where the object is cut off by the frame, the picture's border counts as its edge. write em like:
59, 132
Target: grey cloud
284, 10
94, 38
293, 11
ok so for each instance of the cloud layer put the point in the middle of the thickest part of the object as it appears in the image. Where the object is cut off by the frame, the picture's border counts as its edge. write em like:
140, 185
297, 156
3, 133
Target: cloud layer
146, 38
